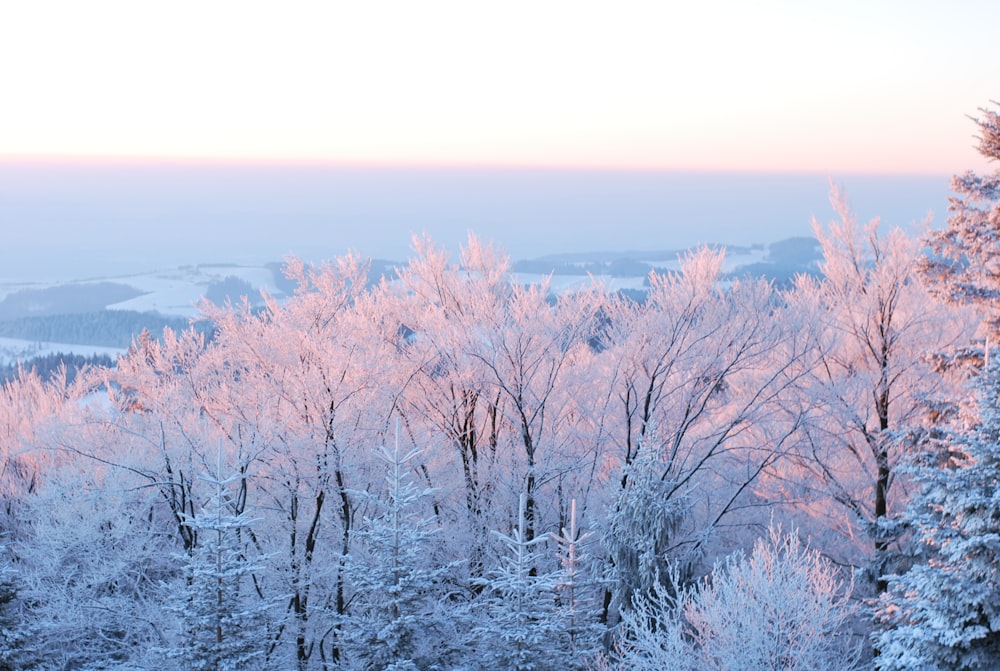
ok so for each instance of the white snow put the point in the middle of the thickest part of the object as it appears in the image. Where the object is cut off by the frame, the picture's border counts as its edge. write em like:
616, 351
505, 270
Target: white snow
178, 291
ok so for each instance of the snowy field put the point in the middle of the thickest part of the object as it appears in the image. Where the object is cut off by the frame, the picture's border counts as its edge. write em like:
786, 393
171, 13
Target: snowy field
177, 292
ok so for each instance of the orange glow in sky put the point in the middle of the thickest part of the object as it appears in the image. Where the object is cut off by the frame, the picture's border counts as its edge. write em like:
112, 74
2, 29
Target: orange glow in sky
854, 86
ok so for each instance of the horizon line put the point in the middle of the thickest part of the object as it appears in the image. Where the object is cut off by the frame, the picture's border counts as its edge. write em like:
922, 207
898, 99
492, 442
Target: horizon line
152, 160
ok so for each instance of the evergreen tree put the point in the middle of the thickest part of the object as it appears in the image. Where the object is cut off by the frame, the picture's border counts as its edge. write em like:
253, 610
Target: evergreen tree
222, 616
520, 627
641, 529
580, 630
398, 619
965, 266
945, 611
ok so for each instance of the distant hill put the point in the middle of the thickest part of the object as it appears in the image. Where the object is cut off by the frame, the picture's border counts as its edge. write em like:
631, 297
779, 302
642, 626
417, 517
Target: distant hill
779, 261
65, 299
786, 259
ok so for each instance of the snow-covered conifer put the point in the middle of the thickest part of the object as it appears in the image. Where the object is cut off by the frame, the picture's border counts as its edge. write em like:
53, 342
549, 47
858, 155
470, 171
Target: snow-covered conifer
520, 627
574, 591
223, 623
398, 618
945, 611
640, 529
965, 265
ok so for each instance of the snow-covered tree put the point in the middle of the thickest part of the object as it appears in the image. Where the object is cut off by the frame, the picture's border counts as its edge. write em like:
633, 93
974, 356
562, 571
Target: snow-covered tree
399, 618
17, 648
640, 530
698, 375
945, 611
29, 407
870, 383
575, 592
222, 616
965, 264
782, 608
519, 625
440, 306
500, 376
528, 347
96, 571
292, 385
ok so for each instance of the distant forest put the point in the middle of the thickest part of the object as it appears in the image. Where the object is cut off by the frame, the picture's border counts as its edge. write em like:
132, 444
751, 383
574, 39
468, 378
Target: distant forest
103, 328
48, 366
100, 328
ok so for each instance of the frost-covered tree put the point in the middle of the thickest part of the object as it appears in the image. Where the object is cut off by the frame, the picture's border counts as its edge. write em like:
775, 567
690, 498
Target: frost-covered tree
399, 618
965, 264
575, 592
17, 648
293, 385
448, 393
528, 347
945, 611
640, 531
698, 375
94, 576
497, 374
93, 561
29, 406
222, 616
868, 388
782, 608
520, 625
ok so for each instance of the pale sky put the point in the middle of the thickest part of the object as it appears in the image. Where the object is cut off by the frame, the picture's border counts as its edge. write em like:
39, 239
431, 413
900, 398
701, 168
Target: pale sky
846, 86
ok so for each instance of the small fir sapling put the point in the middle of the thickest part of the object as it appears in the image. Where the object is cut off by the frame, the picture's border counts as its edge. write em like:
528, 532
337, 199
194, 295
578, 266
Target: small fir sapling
519, 623
399, 616
581, 634
223, 618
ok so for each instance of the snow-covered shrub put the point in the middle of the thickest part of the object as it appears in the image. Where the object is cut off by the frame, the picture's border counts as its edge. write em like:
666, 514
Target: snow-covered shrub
781, 608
